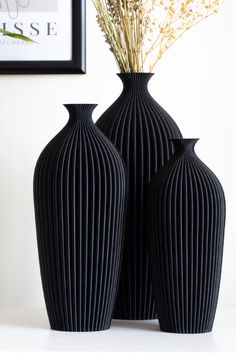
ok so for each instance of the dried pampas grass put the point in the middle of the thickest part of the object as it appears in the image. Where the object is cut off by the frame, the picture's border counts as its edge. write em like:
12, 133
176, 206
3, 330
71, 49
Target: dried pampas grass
139, 32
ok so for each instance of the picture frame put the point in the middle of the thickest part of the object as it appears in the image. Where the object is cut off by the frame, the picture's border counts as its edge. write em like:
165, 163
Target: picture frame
71, 52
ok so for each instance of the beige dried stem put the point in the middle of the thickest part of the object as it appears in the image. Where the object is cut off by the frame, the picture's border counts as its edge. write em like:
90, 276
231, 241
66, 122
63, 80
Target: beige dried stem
139, 32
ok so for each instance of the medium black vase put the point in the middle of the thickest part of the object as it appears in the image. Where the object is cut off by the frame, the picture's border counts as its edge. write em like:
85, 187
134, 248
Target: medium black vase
186, 230
140, 129
79, 194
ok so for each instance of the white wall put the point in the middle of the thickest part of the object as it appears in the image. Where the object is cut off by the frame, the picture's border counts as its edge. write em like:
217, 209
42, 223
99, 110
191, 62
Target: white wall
195, 83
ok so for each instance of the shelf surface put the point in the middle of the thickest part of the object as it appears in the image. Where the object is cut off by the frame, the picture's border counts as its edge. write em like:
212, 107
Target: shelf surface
28, 330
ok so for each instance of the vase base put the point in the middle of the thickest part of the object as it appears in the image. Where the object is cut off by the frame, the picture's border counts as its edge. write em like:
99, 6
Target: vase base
105, 328
186, 331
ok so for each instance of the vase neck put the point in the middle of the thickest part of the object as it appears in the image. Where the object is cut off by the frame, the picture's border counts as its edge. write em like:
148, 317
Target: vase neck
184, 146
80, 112
135, 81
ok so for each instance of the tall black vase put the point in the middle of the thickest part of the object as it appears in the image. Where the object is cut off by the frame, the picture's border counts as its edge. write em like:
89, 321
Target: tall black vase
79, 194
186, 229
141, 130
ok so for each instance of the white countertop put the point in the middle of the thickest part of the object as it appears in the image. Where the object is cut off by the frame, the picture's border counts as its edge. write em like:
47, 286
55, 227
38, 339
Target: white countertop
28, 330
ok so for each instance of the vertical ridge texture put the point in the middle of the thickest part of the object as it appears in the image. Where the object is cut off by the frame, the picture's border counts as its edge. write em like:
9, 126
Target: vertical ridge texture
79, 193
140, 129
186, 230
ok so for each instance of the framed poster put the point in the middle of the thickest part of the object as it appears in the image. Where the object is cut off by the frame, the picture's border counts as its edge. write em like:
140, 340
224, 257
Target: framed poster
57, 28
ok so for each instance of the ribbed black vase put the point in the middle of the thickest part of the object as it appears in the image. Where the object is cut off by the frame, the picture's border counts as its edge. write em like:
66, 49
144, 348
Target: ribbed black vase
186, 229
140, 129
79, 195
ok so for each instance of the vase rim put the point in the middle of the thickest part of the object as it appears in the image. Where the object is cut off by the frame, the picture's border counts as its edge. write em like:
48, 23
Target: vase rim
184, 144
81, 105
80, 111
135, 73
189, 139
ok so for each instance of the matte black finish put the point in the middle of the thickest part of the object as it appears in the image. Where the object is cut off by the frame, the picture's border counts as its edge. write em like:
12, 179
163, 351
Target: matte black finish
186, 228
140, 129
78, 63
79, 194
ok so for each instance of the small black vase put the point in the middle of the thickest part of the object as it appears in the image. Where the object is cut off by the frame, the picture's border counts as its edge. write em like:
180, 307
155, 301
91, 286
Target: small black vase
186, 232
79, 195
140, 129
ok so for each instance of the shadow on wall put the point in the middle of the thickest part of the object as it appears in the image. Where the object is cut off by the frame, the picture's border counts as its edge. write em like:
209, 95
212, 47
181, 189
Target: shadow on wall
33, 318
18, 272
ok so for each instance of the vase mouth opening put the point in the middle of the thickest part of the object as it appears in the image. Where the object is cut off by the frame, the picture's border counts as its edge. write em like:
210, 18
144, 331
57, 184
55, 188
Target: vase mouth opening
135, 74
185, 140
80, 106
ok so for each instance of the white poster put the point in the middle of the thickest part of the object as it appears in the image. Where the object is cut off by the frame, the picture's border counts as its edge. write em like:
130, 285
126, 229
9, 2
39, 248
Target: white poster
47, 22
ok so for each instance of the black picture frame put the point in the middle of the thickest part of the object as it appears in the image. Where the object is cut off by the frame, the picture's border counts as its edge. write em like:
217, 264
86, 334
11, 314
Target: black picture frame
78, 63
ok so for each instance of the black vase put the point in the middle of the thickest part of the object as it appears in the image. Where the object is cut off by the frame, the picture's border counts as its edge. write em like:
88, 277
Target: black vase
186, 230
140, 129
79, 195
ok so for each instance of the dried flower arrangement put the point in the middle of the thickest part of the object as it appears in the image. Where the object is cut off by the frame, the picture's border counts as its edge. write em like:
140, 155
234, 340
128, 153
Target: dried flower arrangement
139, 32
